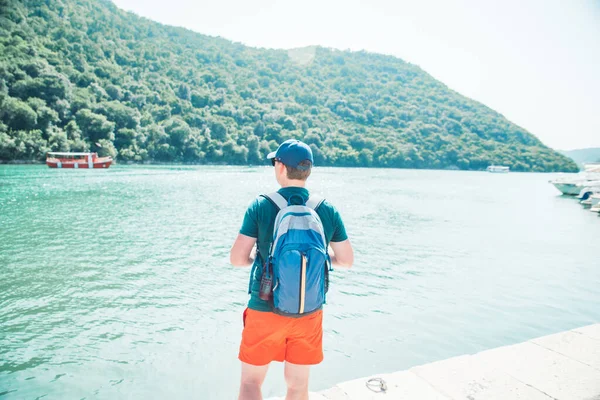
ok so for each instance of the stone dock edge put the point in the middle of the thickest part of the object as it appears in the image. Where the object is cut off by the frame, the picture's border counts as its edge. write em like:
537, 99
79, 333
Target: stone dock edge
564, 365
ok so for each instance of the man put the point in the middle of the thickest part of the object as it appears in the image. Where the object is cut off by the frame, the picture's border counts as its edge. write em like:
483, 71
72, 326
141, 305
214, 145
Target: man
268, 336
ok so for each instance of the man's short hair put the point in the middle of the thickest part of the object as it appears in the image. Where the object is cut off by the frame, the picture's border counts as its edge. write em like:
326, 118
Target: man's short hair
297, 173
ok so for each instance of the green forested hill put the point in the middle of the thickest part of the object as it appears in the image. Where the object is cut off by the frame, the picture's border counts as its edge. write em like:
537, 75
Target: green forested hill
82, 74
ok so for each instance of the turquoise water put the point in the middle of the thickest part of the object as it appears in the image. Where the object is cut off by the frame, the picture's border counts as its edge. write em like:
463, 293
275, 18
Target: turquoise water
116, 283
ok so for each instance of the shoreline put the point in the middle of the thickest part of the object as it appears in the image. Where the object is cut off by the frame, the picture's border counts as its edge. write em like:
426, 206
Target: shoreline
33, 162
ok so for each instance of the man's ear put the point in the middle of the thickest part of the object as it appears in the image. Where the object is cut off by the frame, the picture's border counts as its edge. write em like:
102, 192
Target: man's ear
281, 167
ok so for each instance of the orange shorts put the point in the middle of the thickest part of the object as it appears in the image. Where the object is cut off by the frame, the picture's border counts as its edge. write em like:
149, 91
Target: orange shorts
271, 337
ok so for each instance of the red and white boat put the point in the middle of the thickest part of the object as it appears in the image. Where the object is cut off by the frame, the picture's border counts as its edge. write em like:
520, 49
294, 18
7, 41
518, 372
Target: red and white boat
77, 160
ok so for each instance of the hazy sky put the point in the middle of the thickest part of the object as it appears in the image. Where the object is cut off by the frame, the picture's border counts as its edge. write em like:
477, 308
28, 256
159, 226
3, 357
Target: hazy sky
535, 61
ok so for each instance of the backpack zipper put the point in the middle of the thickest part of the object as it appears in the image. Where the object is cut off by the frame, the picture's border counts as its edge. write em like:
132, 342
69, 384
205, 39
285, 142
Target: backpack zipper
302, 282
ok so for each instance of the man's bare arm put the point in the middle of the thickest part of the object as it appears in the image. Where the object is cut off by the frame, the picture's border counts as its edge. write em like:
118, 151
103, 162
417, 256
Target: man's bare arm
242, 252
343, 255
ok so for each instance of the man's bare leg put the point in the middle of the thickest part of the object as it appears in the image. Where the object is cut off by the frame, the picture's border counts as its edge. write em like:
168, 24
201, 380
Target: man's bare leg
296, 378
252, 379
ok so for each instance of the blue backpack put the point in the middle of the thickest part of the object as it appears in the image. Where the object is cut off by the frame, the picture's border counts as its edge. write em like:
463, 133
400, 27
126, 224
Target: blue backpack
298, 258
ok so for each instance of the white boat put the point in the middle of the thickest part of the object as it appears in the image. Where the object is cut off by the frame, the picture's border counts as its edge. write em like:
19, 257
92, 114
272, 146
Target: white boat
572, 185
594, 202
588, 191
498, 169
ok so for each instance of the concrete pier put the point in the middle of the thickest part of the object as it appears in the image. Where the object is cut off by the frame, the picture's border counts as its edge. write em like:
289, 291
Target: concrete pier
563, 366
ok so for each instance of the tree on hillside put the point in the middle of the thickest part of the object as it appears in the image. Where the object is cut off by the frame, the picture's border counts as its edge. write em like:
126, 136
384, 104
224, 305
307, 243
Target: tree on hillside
95, 127
84, 75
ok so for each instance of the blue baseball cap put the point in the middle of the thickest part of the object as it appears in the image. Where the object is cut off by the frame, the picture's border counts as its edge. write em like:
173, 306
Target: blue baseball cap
292, 152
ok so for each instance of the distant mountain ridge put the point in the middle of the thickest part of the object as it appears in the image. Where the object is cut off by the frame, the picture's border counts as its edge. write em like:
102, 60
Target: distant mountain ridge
84, 75
582, 156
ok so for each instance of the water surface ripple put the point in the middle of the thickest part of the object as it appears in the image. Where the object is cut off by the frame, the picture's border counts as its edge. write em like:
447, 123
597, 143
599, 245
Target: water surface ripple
116, 283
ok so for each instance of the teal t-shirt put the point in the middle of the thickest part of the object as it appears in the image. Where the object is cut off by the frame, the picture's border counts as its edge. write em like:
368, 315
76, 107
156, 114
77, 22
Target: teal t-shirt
259, 221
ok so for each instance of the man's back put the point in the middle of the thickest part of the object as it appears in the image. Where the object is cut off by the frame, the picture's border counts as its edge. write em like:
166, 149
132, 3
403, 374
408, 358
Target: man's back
268, 336
259, 222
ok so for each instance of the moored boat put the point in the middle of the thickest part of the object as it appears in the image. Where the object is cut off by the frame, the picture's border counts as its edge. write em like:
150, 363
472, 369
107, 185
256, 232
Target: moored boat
498, 169
587, 192
77, 160
573, 184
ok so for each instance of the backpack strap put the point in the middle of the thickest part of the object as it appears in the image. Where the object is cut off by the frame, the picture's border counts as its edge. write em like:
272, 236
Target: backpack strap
276, 199
314, 201
252, 271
